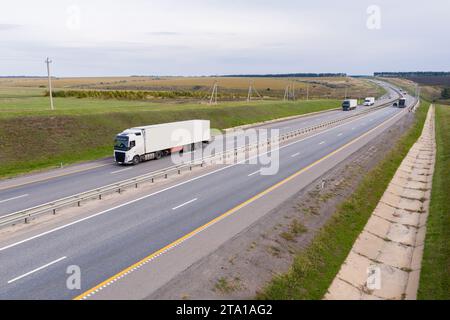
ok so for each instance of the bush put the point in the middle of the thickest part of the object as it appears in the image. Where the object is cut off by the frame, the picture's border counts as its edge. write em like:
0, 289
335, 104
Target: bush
445, 93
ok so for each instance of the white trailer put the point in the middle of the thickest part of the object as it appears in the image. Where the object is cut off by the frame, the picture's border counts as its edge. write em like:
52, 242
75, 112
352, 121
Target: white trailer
349, 104
155, 141
369, 101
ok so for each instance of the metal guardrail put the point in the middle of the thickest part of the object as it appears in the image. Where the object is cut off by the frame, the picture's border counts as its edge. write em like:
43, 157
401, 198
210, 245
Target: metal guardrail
75, 200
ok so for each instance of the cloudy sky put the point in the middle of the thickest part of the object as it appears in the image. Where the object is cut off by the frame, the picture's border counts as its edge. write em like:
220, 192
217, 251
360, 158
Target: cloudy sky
195, 37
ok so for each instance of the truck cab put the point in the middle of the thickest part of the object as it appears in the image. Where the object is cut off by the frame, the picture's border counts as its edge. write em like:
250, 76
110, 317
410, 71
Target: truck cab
128, 146
369, 101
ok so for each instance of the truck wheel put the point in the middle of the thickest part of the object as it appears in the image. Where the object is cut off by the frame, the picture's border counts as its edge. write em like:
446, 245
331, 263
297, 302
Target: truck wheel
136, 160
158, 155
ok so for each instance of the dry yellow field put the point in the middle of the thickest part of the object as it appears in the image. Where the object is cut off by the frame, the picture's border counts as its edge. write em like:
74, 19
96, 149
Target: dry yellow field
330, 87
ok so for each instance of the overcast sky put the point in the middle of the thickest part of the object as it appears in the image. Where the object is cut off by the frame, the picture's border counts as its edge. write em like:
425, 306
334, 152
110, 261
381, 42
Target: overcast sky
194, 37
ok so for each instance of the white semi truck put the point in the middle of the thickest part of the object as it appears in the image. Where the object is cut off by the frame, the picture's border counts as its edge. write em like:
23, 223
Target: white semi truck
349, 104
369, 101
155, 141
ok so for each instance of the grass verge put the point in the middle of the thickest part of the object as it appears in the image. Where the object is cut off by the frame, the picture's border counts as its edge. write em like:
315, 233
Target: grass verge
435, 273
315, 267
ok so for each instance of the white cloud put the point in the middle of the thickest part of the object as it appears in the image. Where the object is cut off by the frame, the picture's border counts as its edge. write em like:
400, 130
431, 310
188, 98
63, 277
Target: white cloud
112, 37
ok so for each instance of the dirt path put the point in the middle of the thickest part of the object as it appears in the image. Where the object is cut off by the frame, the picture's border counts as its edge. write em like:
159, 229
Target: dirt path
385, 260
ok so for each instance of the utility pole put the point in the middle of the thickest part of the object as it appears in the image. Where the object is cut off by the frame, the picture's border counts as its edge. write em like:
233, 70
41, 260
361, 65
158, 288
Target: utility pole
286, 93
293, 90
307, 91
48, 61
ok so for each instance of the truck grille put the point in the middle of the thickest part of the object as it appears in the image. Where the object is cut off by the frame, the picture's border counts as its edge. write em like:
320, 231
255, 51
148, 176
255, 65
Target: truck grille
120, 156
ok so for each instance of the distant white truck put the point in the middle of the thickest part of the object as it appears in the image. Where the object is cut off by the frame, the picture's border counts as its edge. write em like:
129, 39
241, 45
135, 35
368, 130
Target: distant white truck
155, 141
369, 101
349, 104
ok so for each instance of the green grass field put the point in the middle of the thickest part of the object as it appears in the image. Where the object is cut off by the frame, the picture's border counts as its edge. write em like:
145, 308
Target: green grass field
34, 137
435, 274
315, 267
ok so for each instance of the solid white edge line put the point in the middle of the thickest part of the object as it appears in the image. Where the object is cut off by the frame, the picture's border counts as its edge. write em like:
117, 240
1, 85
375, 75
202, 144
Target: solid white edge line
121, 170
175, 186
185, 203
18, 197
37, 269
251, 174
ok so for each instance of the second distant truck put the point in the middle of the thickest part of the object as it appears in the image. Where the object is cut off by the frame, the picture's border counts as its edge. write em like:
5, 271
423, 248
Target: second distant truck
349, 104
369, 101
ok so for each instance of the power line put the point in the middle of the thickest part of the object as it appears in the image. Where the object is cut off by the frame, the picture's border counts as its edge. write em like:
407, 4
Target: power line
251, 89
213, 99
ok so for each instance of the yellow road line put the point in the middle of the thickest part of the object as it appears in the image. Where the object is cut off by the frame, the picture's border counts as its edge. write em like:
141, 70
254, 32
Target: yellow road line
222, 216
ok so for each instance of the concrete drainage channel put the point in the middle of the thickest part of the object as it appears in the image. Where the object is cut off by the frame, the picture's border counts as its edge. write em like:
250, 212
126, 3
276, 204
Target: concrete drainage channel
27, 215
385, 260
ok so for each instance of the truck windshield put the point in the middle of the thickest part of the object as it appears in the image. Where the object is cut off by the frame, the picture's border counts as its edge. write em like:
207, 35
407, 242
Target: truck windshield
121, 143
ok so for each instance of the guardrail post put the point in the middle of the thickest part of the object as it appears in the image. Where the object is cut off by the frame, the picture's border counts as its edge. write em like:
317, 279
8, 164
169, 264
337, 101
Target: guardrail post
54, 211
79, 203
100, 197
136, 185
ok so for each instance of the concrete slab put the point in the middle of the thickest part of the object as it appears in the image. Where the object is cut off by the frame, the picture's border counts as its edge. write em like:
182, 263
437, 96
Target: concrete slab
377, 226
394, 215
402, 234
409, 205
341, 290
395, 189
416, 260
396, 255
399, 181
418, 177
368, 245
413, 194
393, 283
420, 236
413, 285
354, 270
391, 199
423, 219
417, 185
